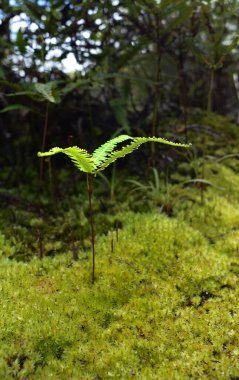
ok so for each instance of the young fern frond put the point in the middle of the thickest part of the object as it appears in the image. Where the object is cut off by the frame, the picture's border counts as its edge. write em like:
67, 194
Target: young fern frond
137, 141
101, 158
105, 154
80, 157
101, 153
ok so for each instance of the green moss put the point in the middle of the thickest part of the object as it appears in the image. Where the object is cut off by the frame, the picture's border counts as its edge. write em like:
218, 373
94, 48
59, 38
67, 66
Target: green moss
164, 306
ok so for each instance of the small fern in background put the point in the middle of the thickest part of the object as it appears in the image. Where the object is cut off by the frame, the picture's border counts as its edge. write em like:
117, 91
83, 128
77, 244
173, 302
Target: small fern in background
99, 160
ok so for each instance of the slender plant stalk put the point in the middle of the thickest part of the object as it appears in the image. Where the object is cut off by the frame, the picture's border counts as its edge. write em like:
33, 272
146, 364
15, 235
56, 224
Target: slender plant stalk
167, 189
43, 145
52, 185
112, 183
211, 32
91, 219
117, 231
74, 251
209, 109
157, 85
210, 91
40, 245
183, 91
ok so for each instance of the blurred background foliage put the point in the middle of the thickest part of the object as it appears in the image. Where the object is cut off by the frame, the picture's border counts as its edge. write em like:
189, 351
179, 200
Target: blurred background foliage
78, 73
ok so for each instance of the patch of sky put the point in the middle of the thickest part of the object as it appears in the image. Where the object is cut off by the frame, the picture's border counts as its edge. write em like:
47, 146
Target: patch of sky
92, 11
102, 27
17, 22
80, 22
117, 16
98, 21
68, 64
86, 33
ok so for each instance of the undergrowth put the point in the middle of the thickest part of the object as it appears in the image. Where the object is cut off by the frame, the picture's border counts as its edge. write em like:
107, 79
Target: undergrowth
164, 304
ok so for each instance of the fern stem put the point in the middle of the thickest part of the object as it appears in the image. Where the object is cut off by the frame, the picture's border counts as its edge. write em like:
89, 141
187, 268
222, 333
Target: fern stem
112, 183
91, 219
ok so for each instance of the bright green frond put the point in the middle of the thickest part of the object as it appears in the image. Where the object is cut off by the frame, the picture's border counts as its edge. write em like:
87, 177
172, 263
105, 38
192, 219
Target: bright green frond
120, 153
160, 140
80, 157
104, 155
101, 153
51, 152
137, 141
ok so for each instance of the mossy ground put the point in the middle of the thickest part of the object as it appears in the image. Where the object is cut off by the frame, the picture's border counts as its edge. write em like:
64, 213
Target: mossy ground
164, 304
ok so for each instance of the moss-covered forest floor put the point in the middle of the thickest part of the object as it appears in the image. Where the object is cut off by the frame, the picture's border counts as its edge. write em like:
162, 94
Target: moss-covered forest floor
164, 304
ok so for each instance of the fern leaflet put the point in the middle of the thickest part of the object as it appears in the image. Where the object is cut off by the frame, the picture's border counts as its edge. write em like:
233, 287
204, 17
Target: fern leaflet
101, 153
137, 141
80, 157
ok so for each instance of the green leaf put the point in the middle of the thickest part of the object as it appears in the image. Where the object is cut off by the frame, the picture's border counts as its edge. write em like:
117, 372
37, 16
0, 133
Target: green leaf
137, 141
104, 150
2, 73
46, 90
21, 42
22, 93
202, 181
14, 107
80, 157
120, 112
32, 10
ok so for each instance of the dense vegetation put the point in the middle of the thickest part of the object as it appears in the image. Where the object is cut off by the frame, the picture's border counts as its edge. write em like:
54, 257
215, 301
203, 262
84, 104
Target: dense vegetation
164, 301
164, 304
